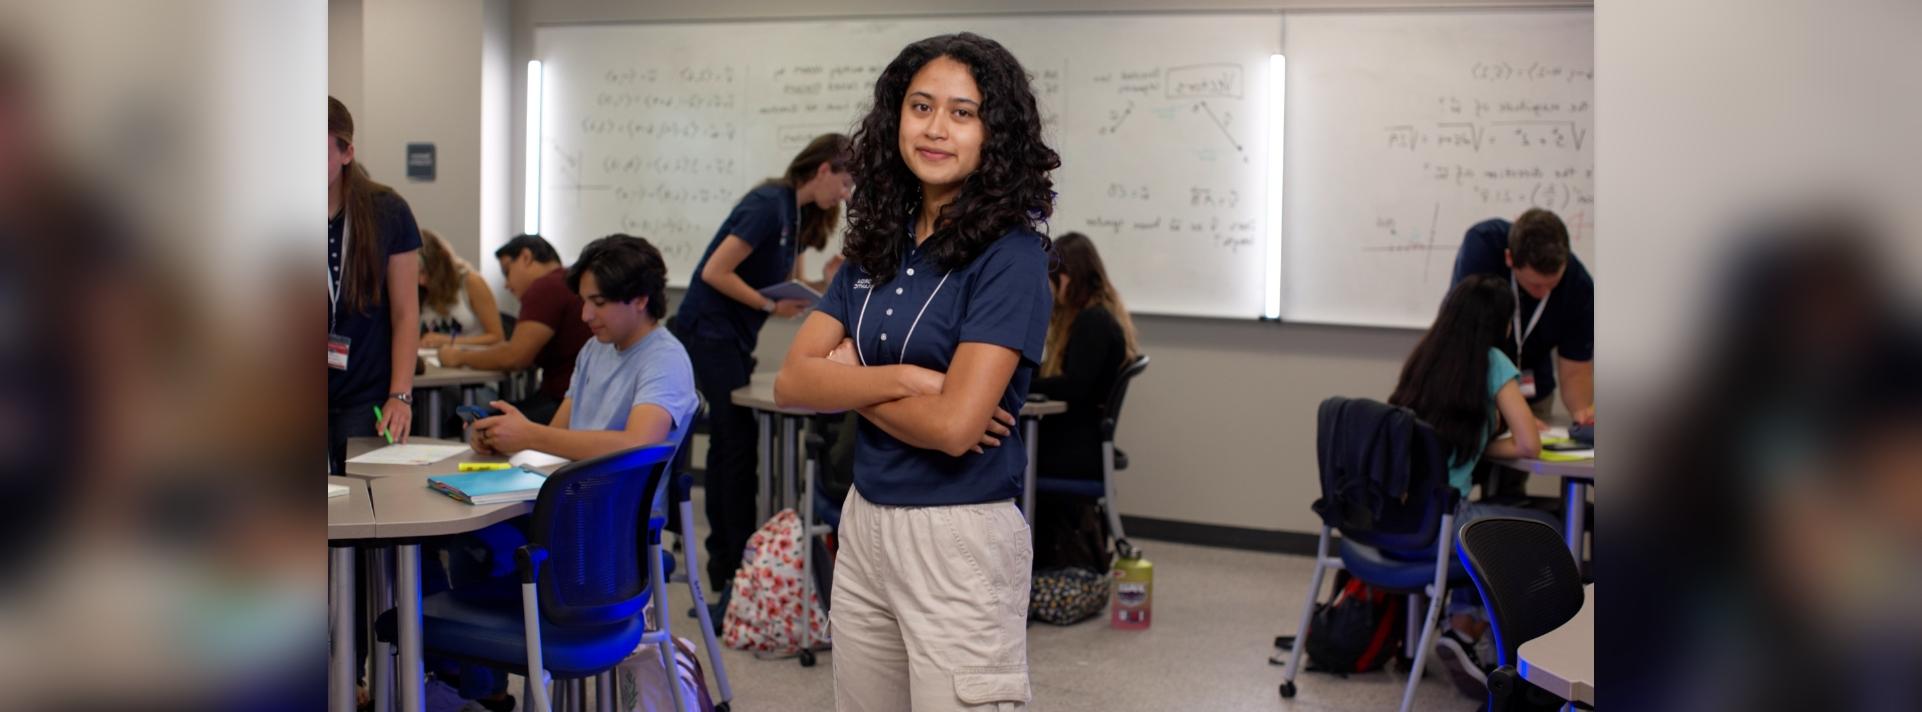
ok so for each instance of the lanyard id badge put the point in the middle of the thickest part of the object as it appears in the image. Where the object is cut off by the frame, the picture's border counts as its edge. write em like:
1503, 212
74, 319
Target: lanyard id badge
337, 348
337, 345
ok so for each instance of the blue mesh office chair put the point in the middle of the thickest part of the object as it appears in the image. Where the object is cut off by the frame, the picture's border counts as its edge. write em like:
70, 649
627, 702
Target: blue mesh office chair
585, 580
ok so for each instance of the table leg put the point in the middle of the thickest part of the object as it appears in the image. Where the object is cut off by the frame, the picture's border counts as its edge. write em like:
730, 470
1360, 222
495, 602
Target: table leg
380, 597
789, 478
763, 495
1031, 433
340, 615
1574, 514
433, 412
413, 682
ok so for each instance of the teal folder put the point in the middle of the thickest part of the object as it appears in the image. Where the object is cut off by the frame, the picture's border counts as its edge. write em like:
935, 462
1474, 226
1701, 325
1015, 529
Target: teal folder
490, 486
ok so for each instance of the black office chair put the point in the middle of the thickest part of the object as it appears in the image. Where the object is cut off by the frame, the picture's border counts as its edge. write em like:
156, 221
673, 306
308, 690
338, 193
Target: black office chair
1530, 586
1112, 460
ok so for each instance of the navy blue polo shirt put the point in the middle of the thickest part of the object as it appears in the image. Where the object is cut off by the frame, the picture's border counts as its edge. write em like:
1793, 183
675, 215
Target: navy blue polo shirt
370, 360
766, 219
919, 318
1568, 322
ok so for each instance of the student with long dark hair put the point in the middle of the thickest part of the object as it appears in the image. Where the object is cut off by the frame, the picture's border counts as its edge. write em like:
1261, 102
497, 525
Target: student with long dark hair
456, 305
933, 332
1090, 338
720, 319
373, 322
1460, 381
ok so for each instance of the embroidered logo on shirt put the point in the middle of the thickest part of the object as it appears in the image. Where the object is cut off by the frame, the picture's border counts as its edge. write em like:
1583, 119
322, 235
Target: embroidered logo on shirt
863, 283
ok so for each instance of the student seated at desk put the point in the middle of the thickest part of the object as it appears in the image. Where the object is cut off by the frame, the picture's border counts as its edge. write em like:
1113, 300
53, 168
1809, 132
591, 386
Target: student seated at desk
1090, 338
548, 334
1461, 382
456, 305
632, 385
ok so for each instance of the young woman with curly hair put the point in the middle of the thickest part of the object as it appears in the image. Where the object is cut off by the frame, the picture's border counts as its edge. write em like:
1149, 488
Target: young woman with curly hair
932, 331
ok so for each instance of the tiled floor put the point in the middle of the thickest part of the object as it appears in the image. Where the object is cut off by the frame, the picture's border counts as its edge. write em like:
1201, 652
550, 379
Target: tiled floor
1216, 613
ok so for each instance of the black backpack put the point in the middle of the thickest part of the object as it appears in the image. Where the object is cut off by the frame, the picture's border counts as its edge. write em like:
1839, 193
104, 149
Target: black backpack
1358, 631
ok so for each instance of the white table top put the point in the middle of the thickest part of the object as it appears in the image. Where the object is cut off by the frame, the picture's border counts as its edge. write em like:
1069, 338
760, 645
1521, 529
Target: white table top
438, 376
350, 516
1562, 661
360, 446
1578, 469
405, 508
759, 395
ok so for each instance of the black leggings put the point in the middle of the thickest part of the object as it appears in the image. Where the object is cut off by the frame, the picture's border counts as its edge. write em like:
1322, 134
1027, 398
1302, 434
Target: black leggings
720, 367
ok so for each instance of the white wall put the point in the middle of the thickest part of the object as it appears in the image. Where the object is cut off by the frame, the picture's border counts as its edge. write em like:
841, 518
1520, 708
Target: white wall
344, 51
418, 78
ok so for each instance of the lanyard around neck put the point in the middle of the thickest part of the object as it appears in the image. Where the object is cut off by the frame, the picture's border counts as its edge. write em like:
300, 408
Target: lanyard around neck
334, 277
1521, 334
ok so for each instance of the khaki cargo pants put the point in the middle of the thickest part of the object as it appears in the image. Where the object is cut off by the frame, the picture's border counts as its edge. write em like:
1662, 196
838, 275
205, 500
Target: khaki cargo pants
930, 608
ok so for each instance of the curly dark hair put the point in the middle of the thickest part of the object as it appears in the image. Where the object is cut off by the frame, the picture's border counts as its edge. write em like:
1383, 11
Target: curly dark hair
1011, 188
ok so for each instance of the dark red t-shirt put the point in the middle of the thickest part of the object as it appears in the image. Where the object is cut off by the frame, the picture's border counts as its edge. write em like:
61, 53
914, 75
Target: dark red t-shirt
548, 301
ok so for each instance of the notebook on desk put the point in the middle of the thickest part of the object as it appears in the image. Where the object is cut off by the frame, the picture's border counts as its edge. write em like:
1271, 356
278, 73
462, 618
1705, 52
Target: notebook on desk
490, 486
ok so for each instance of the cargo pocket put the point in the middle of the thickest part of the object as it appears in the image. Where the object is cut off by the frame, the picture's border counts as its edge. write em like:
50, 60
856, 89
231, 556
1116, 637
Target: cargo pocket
996, 687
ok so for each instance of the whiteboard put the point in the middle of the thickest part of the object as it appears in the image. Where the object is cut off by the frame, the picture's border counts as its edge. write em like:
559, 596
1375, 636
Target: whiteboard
658, 129
1404, 129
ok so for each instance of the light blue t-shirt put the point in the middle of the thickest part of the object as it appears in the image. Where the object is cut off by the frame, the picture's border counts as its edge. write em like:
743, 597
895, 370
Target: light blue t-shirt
1500, 372
608, 383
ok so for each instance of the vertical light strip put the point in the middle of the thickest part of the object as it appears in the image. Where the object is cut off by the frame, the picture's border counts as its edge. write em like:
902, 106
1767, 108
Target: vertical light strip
531, 214
1277, 96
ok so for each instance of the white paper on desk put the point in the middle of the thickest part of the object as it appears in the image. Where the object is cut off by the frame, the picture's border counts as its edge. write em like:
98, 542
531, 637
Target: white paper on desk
536, 460
792, 289
409, 454
431, 356
1555, 432
334, 490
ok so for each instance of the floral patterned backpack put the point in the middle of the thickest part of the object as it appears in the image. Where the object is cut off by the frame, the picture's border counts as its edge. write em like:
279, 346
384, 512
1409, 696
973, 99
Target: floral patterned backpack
765, 613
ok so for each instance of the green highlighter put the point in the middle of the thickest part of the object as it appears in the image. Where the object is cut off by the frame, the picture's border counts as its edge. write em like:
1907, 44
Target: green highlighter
383, 432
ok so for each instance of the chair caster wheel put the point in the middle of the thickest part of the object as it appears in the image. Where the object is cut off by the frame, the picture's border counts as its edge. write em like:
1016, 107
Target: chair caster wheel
723, 707
807, 658
1288, 690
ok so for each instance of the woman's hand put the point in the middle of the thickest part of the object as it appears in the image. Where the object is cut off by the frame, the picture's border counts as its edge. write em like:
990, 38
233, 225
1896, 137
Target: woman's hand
844, 354
395, 418
449, 356
998, 428
790, 308
435, 339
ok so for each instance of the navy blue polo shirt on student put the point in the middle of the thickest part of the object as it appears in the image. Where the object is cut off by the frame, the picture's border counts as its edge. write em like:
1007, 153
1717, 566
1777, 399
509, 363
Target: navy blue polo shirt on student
370, 358
766, 219
919, 318
1568, 322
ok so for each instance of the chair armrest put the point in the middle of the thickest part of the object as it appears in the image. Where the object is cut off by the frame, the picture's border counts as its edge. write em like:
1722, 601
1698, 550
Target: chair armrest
1107, 428
528, 560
